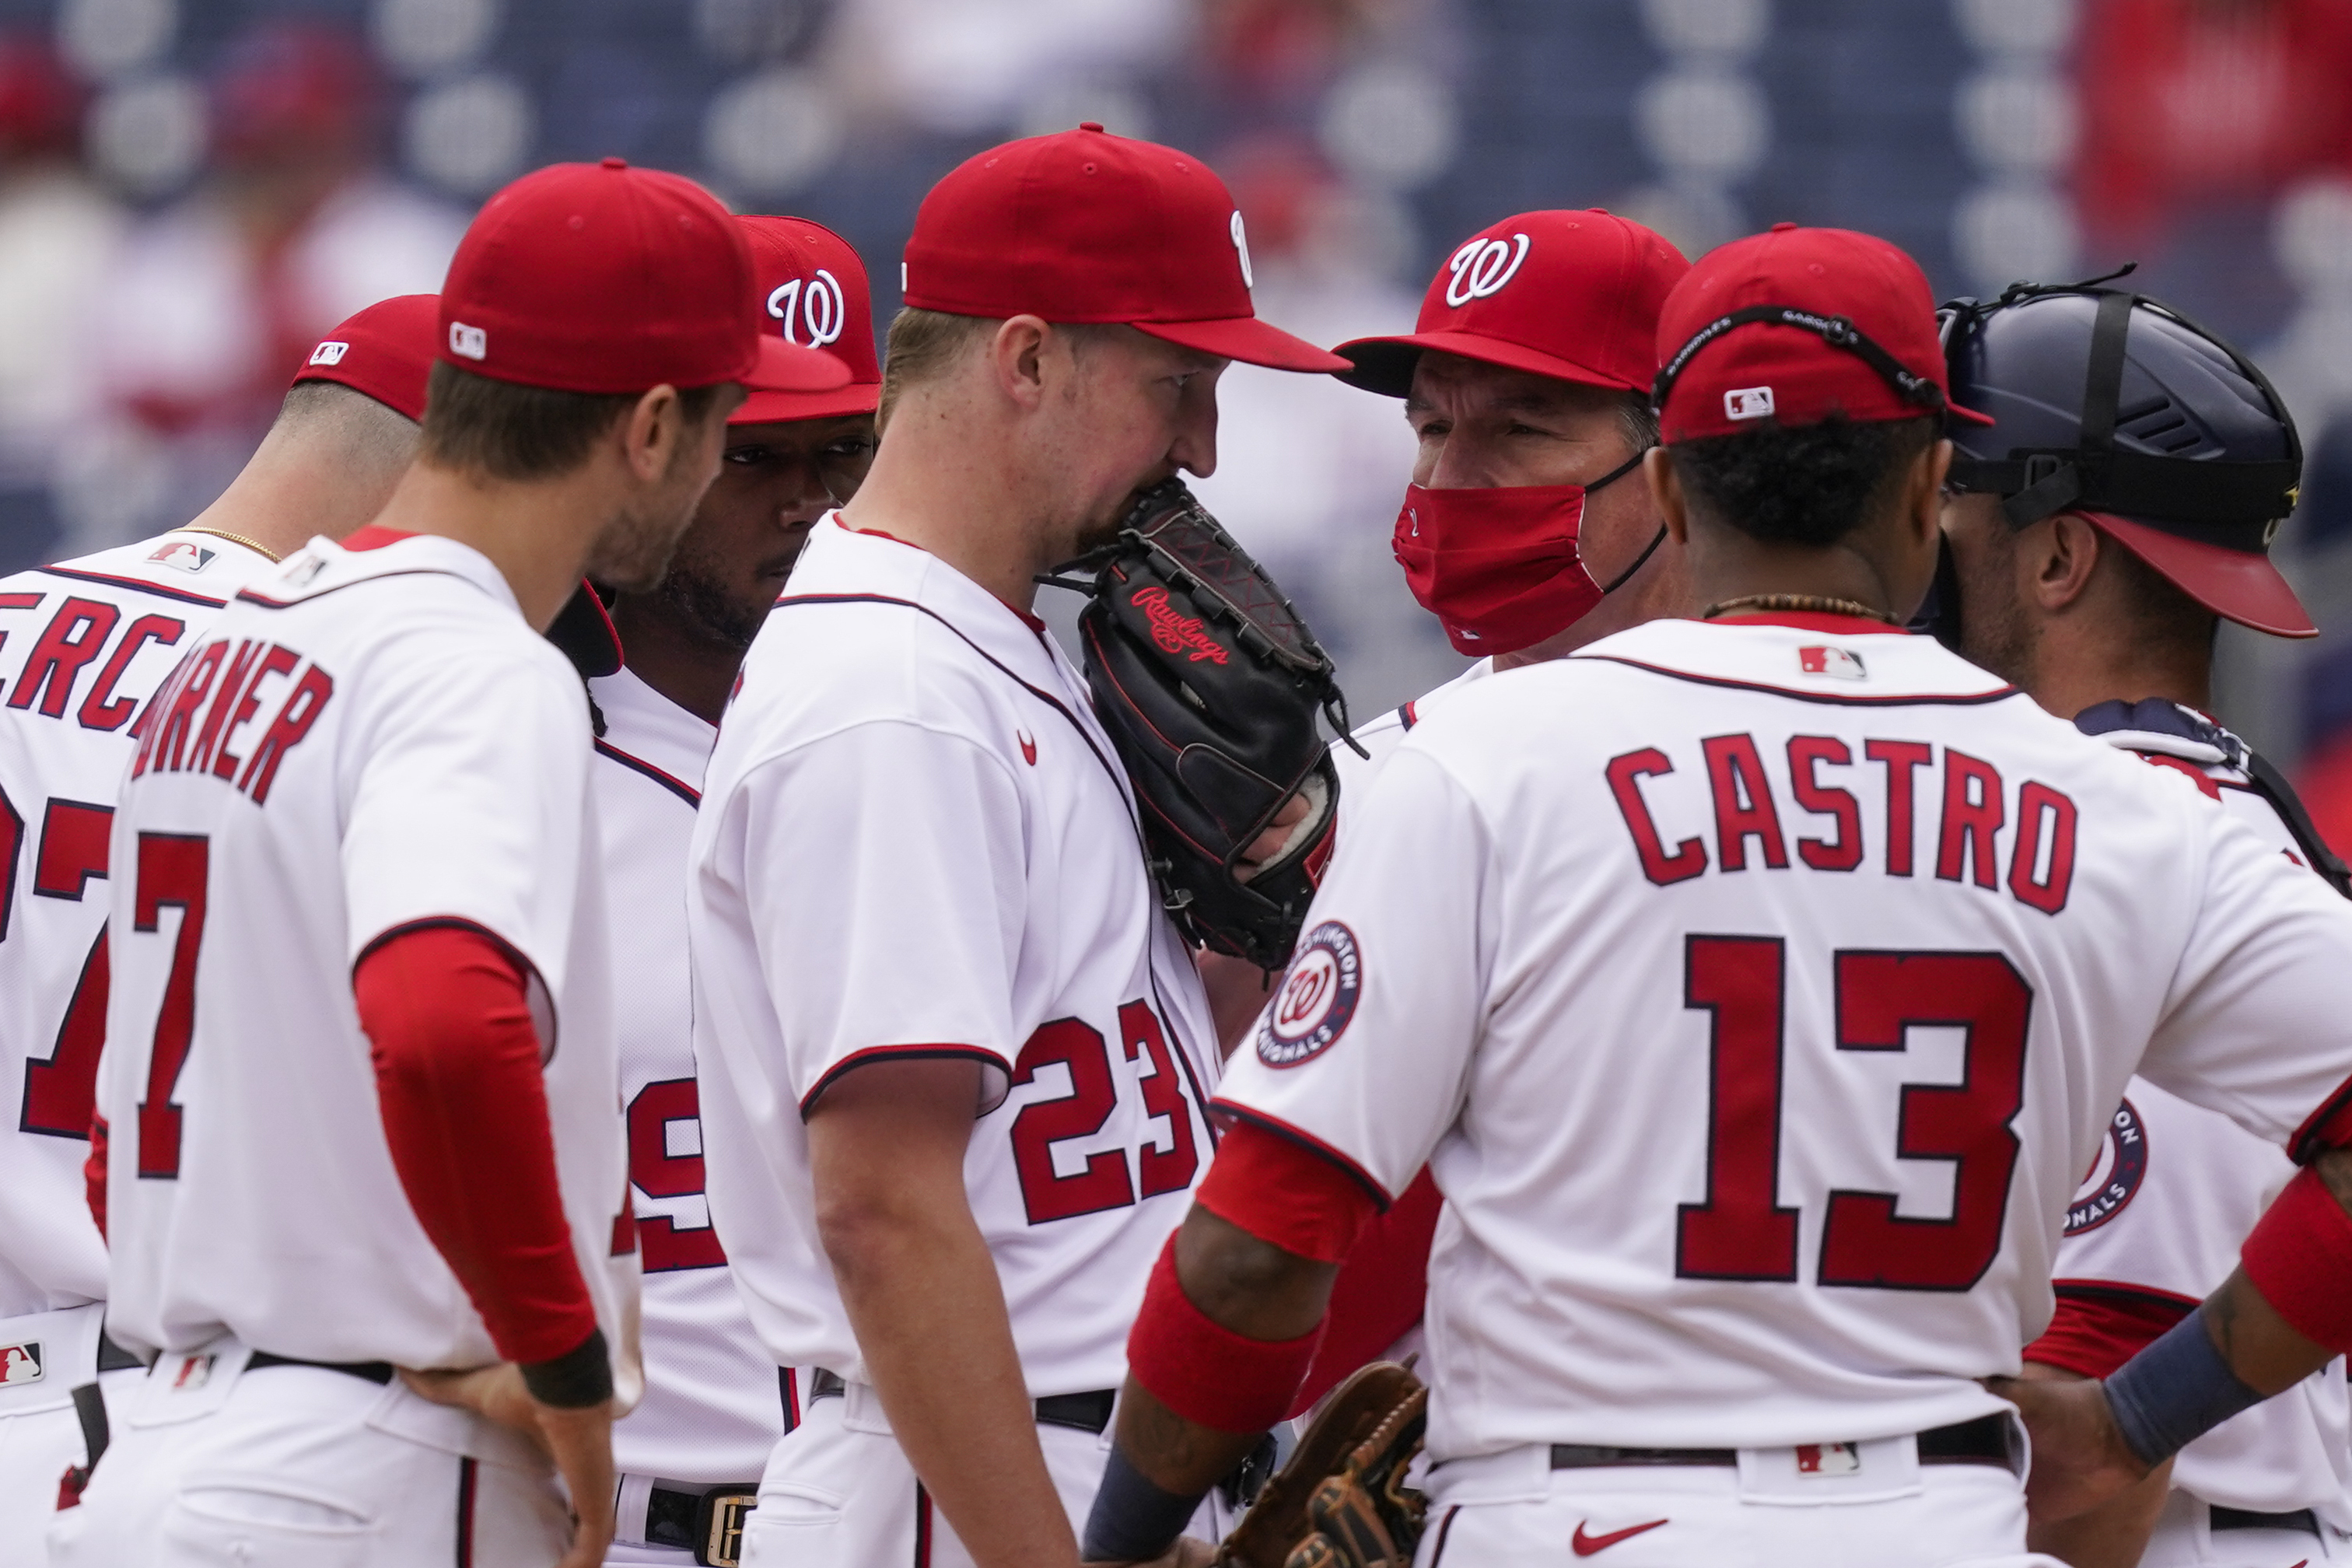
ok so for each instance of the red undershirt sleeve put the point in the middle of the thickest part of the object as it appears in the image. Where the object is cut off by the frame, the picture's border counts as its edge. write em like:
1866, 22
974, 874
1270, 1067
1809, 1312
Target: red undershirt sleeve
1293, 1198
465, 1110
1381, 1292
93, 1174
2095, 1329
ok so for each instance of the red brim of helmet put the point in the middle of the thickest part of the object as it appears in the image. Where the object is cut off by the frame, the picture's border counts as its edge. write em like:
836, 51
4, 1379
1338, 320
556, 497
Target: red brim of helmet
2240, 585
788, 367
783, 407
1247, 338
1385, 364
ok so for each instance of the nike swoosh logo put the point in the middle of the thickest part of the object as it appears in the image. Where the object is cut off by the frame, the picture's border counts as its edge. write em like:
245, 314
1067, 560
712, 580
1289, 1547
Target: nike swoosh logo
1586, 1545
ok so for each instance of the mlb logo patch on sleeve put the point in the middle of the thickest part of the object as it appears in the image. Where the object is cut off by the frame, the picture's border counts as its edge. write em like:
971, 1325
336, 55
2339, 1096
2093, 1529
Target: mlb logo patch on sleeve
1831, 661
183, 555
21, 1364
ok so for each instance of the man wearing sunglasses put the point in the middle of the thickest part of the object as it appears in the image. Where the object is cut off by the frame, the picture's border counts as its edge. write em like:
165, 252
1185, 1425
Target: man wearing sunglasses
690, 1455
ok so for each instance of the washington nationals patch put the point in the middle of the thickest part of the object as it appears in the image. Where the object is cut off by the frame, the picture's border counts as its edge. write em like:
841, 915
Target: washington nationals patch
2122, 1164
1317, 998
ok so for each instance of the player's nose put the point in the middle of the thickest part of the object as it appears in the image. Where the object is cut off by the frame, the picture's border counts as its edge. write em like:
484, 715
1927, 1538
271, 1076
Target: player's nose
1194, 450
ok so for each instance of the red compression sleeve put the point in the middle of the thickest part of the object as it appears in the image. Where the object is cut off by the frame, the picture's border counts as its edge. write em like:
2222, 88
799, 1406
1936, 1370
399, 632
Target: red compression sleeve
2300, 1258
1381, 1291
93, 1174
1203, 1370
465, 1110
1285, 1196
2098, 1329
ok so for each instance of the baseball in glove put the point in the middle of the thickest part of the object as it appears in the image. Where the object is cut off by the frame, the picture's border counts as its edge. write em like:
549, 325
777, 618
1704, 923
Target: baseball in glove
1210, 685
1341, 1501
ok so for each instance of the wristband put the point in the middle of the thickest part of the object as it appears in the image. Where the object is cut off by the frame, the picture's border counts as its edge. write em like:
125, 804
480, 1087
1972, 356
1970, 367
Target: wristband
2175, 1391
1133, 1520
579, 1377
1203, 1370
2300, 1258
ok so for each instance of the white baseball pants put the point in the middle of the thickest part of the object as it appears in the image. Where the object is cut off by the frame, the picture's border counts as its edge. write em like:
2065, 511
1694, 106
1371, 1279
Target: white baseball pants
1514, 1509
296, 1466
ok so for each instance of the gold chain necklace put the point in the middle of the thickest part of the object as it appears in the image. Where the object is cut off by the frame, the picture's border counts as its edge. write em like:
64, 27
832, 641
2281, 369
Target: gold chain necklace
1811, 603
254, 545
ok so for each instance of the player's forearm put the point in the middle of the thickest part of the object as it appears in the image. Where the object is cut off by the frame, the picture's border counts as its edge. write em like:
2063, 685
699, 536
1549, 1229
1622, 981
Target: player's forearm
1228, 1326
923, 1296
2112, 1535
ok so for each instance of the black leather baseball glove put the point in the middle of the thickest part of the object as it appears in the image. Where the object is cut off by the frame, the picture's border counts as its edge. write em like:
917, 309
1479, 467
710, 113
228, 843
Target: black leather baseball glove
1210, 685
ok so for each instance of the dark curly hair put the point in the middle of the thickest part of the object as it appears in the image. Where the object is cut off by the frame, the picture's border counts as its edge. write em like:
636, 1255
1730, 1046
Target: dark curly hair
1811, 486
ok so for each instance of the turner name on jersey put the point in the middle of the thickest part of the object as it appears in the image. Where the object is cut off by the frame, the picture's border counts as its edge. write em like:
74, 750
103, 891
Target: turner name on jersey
412, 753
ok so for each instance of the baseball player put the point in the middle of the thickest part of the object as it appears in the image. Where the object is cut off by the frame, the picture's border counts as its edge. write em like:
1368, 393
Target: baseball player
1758, 988
1526, 531
82, 645
365, 1190
2107, 618
953, 1056
691, 1453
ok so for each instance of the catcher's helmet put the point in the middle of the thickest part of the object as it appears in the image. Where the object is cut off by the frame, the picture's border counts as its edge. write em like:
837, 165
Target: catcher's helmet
2110, 404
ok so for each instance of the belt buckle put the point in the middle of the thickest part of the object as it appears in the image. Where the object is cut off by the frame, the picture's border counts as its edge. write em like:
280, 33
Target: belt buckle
719, 1525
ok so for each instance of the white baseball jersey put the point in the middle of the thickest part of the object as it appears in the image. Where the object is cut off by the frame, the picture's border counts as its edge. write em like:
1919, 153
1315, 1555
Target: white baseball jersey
1380, 738
916, 841
714, 1402
368, 741
2171, 1198
1757, 993
82, 645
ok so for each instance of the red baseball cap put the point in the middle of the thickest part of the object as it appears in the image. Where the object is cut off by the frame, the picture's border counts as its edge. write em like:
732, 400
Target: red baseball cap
811, 291
2240, 585
1796, 325
1086, 226
1573, 295
385, 351
598, 277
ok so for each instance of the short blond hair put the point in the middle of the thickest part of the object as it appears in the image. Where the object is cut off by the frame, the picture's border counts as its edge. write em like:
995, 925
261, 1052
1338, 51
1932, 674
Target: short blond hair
924, 345
921, 346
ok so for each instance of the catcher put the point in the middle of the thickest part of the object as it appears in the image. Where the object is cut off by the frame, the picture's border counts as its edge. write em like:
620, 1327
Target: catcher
953, 1054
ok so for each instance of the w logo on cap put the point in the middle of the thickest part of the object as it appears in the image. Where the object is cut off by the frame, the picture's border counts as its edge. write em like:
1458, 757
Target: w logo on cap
814, 304
1481, 267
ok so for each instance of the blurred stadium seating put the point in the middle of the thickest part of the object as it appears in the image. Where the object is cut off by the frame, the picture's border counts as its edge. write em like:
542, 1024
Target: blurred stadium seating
188, 186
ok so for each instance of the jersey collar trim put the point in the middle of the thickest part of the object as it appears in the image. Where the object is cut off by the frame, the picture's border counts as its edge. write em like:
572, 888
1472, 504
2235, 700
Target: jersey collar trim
839, 561
1812, 621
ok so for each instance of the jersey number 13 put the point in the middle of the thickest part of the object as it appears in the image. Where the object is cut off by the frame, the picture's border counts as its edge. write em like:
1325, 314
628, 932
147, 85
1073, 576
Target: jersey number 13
1741, 1231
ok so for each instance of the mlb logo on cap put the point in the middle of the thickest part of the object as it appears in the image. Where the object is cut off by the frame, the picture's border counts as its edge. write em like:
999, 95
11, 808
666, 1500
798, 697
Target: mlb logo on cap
21, 1364
329, 354
1833, 661
1748, 403
469, 343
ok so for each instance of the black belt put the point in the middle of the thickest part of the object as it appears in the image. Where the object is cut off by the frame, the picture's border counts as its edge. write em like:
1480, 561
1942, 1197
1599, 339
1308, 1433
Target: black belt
1088, 1411
1983, 1441
2302, 1520
113, 1357
709, 1522
376, 1372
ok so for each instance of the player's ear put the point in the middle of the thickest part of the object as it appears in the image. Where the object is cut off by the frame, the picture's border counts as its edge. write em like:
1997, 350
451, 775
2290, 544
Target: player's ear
1666, 493
652, 431
1017, 357
2062, 555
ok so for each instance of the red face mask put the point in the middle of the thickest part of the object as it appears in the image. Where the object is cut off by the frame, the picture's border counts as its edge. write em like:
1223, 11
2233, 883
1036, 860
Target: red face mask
1499, 568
